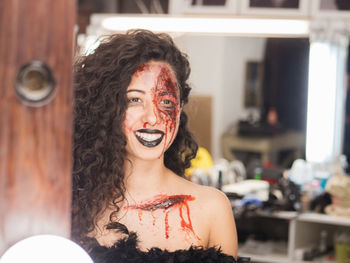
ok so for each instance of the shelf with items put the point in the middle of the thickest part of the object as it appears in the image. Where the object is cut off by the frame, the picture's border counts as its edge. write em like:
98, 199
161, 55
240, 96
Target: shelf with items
269, 239
324, 219
305, 230
309, 229
271, 258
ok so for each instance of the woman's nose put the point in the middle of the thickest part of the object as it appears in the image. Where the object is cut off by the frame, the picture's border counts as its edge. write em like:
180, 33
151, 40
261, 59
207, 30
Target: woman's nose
150, 114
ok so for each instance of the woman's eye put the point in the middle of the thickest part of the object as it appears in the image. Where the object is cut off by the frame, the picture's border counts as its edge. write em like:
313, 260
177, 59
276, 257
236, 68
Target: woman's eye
134, 100
167, 102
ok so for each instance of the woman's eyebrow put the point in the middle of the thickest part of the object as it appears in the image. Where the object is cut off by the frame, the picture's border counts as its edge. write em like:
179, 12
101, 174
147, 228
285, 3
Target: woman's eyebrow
135, 90
167, 93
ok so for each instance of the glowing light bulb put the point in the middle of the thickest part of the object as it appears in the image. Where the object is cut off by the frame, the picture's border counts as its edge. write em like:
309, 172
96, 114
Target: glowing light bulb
45, 248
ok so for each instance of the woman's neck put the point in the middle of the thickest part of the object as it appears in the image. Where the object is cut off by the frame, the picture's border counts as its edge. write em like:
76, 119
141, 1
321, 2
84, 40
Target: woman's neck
145, 176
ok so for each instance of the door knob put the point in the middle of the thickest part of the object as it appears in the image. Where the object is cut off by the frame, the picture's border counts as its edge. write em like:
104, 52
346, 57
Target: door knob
35, 84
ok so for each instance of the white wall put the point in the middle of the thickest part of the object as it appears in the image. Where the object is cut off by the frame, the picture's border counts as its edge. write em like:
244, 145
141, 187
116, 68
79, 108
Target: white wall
218, 70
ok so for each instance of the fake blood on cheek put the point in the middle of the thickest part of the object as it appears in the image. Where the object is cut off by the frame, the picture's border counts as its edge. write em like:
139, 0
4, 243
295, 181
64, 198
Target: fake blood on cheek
165, 90
168, 203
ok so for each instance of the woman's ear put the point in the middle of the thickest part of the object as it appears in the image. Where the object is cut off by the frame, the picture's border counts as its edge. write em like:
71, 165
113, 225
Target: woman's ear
181, 108
182, 105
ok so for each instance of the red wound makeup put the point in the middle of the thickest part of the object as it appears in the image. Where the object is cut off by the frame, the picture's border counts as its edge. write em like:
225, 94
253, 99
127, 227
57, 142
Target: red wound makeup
166, 101
140, 69
165, 98
168, 204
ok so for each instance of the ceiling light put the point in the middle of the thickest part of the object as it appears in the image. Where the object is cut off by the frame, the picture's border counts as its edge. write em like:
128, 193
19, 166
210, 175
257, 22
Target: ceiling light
201, 25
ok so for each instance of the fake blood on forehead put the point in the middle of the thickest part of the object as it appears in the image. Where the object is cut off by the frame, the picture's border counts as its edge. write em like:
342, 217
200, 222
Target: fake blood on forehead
141, 68
167, 204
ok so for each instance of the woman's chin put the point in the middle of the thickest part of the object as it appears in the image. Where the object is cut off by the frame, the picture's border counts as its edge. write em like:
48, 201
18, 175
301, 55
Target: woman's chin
148, 154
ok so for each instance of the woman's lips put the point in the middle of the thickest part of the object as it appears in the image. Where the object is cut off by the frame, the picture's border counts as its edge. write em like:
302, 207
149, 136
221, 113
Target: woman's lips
149, 137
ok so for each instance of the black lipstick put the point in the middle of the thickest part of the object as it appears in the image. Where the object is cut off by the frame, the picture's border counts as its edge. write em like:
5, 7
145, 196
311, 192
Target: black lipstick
150, 143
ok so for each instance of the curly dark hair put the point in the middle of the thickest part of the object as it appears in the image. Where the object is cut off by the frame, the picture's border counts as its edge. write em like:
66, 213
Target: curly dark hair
101, 81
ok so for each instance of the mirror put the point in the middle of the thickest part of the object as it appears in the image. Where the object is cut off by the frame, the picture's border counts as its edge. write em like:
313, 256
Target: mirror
223, 77
220, 73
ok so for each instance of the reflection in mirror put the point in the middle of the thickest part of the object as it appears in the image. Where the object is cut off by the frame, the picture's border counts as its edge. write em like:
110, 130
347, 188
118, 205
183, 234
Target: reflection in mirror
221, 77
219, 70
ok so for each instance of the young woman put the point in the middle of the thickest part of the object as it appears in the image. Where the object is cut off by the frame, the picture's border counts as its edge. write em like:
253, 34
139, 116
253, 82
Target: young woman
131, 202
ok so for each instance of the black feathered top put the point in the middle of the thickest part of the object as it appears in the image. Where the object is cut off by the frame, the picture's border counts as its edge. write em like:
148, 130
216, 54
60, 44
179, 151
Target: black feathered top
126, 251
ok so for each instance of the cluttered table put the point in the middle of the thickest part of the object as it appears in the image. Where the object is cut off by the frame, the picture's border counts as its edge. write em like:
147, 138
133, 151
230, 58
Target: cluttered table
267, 146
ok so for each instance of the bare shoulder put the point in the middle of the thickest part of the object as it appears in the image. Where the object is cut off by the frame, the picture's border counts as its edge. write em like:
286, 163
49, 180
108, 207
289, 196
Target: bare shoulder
223, 231
215, 209
218, 211
212, 197
216, 205
209, 200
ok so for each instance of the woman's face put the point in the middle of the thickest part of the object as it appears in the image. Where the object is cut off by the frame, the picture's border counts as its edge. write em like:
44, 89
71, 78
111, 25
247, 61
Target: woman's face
152, 116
